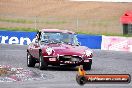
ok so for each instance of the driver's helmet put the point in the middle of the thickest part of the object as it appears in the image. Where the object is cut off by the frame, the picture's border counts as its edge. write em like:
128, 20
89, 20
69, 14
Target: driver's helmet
45, 37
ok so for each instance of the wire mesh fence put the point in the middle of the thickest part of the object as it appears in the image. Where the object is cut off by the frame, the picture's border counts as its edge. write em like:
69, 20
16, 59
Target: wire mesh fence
91, 26
86, 17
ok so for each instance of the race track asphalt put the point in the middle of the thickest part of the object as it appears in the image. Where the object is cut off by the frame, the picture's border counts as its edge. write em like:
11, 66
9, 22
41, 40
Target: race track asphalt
104, 62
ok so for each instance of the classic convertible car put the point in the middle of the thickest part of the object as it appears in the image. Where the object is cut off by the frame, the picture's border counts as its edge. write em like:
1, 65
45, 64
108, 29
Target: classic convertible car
58, 47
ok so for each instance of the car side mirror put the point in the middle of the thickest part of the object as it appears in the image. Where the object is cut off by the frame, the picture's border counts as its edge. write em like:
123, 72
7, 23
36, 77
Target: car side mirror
78, 44
36, 41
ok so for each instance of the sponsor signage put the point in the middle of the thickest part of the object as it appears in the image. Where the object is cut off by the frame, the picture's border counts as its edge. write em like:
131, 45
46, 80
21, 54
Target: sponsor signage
116, 43
25, 38
83, 78
103, 78
15, 37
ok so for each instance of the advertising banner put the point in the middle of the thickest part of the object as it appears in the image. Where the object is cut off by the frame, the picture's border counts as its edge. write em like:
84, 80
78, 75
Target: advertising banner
91, 41
25, 38
116, 43
16, 37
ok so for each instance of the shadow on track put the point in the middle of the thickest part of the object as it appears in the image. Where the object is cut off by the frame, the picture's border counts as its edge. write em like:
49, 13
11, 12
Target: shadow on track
60, 68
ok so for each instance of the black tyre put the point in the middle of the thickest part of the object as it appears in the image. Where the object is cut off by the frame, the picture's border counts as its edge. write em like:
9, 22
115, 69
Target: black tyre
42, 64
87, 66
30, 60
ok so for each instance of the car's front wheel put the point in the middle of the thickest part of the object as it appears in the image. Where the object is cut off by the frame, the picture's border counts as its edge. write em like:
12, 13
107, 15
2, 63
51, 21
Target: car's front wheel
42, 64
87, 66
30, 60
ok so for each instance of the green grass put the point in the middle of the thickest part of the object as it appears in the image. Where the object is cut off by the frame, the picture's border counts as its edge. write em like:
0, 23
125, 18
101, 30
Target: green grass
16, 20
30, 21
20, 29
55, 22
34, 30
106, 34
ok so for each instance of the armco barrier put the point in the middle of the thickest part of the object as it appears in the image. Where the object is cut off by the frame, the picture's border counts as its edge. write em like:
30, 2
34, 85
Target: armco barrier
24, 38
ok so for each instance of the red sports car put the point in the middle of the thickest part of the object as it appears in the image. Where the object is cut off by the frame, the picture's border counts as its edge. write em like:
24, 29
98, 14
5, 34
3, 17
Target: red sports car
58, 47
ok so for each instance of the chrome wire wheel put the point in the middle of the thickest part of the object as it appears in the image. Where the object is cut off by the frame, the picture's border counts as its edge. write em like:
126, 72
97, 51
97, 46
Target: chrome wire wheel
28, 58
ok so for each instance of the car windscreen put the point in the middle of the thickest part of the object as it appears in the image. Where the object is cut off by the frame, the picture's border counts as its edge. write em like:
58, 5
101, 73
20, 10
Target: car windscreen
58, 37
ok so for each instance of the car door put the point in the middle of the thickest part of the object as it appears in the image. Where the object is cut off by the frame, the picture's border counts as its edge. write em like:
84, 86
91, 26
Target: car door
36, 49
30, 49
36, 45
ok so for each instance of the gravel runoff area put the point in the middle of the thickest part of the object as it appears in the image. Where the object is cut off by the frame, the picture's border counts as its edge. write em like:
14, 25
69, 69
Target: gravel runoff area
104, 62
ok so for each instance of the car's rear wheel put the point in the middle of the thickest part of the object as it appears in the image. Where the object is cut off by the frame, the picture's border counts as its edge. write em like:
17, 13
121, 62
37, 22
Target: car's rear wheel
42, 64
87, 66
30, 60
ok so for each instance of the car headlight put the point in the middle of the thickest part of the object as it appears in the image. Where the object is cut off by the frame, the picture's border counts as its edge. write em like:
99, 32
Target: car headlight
49, 50
88, 52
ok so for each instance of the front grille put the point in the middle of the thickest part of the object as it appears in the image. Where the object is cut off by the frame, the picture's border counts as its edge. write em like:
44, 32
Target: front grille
70, 58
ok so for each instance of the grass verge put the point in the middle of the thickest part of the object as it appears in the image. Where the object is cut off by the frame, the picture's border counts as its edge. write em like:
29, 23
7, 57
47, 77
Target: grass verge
20, 29
16, 20
34, 30
106, 34
31, 21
